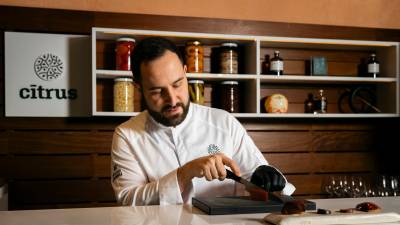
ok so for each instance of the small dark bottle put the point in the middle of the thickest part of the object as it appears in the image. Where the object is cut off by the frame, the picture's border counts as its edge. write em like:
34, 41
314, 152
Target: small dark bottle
265, 69
362, 69
276, 64
309, 104
373, 66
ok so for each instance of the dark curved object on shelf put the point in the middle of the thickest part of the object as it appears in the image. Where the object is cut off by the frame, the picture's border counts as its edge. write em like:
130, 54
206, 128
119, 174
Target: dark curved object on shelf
358, 100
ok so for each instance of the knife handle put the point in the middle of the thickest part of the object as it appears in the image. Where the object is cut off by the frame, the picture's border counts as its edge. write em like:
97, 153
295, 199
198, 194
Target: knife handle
231, 175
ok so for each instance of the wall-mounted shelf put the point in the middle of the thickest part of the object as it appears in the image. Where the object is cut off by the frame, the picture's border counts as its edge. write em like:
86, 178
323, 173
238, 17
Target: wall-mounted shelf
343, 58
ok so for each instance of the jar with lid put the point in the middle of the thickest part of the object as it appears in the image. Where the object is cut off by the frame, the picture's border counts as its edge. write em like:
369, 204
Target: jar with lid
229, 58
194, 52
230, 96
123, 94
196, 91
123, 51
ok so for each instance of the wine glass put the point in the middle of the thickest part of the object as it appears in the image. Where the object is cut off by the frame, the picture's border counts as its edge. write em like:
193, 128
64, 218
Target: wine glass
357, 187
393, 185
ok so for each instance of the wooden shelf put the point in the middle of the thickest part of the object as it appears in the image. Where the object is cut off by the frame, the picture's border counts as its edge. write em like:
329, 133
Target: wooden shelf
343, 57
111, 74
115, 113
323, 79
211, 76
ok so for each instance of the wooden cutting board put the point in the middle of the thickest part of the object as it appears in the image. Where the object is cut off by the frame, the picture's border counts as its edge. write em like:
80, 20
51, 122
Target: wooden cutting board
240, 205
312, 218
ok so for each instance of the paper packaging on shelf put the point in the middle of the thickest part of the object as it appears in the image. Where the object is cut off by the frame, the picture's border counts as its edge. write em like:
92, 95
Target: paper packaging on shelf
319, 66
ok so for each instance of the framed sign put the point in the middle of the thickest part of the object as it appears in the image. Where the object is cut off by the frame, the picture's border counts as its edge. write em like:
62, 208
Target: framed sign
47, 75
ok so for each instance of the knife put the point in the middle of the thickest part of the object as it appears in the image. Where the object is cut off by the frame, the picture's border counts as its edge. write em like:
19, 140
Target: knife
260, 193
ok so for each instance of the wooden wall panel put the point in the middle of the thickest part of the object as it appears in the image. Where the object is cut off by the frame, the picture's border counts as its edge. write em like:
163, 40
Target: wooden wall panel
282, 141
40, 167
102, 166
307, 184
297, 95
339, 63
345, 162
65, 162
291, 163
60, 124
343, 141
59, 142
3, 142
46, 192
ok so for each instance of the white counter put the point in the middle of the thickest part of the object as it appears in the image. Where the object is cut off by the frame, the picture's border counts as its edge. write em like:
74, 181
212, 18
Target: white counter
165, 215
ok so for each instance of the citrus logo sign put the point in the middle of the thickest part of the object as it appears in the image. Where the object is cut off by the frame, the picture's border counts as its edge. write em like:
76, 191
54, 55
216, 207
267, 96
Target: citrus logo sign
52, 78
48, 67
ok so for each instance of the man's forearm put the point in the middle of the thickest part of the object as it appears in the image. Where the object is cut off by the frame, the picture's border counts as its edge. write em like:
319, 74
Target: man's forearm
184, 178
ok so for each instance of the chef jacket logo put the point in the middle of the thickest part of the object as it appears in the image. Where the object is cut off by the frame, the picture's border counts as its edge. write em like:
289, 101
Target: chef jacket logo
213, 149
48, 67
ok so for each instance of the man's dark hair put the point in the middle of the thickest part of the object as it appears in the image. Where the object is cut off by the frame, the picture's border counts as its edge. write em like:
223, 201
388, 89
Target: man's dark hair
150, 49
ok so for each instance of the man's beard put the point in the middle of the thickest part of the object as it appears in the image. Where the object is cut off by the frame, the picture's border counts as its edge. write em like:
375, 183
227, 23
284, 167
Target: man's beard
173, 121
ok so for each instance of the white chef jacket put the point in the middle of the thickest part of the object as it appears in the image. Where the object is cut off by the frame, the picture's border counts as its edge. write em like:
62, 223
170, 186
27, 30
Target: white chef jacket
146, 155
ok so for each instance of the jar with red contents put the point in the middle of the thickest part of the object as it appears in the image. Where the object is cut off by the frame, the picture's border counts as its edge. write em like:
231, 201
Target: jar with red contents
123, 51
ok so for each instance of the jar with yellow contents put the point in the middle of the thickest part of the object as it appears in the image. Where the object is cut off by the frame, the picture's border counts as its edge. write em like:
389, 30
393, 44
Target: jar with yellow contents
196, 91
194, 52
123, 94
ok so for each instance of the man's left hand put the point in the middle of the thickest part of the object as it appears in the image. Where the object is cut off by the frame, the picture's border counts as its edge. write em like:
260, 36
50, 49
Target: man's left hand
269, 178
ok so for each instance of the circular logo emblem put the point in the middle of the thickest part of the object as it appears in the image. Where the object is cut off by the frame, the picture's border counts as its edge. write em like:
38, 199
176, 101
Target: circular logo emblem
48, 67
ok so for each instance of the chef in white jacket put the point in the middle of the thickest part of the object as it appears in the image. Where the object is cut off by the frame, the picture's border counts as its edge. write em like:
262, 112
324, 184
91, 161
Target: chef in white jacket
176, 150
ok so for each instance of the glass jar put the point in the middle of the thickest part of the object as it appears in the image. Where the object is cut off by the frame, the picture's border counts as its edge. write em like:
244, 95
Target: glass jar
229, 58
230, 96
123, 95
196, 91
194, 52
123, 51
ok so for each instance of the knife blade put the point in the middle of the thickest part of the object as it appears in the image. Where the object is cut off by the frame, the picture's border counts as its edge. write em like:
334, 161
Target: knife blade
261, 194
249, 186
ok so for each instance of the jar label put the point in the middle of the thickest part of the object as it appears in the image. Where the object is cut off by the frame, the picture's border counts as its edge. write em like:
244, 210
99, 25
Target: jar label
229, 62
323, 106
373, 68
276, 65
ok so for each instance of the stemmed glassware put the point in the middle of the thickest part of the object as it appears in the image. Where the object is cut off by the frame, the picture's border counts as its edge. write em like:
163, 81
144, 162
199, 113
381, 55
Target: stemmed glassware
356, 186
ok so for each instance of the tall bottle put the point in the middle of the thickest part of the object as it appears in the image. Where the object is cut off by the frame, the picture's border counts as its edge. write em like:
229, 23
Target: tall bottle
373, 66
276, 64
321, 105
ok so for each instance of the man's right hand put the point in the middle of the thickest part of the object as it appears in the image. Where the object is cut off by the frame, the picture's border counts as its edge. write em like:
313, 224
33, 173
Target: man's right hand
210, 167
